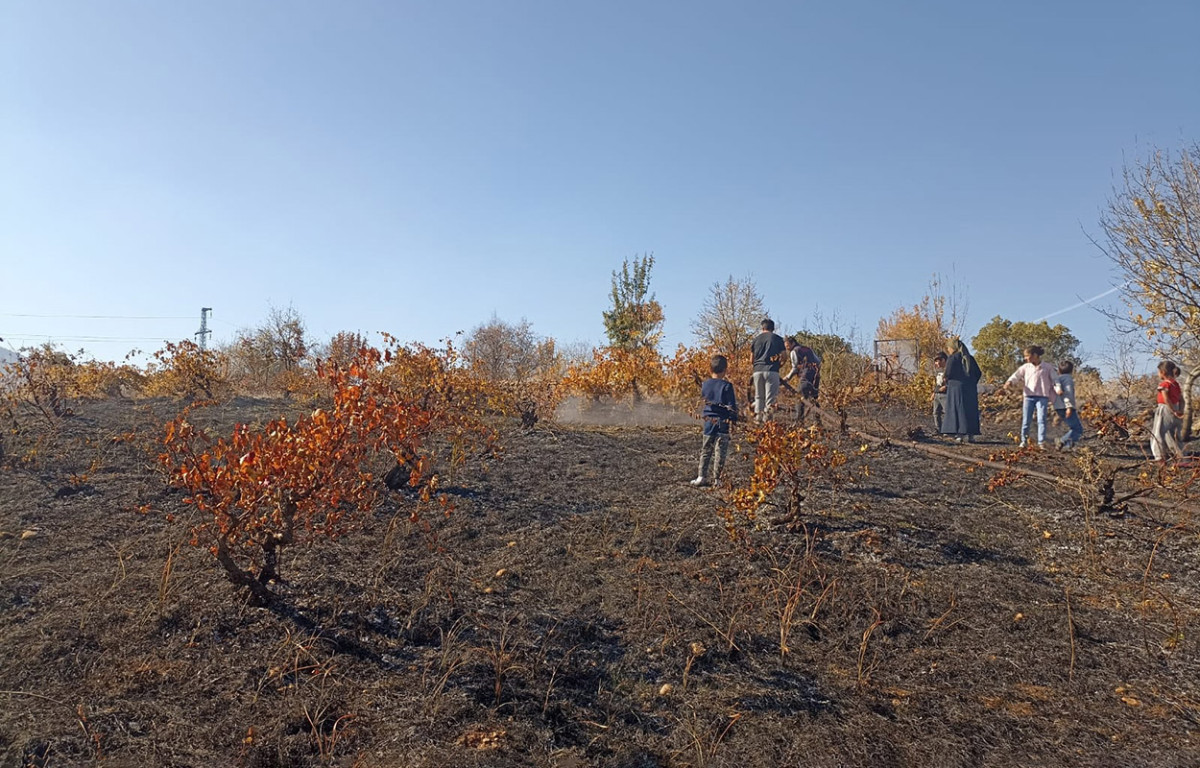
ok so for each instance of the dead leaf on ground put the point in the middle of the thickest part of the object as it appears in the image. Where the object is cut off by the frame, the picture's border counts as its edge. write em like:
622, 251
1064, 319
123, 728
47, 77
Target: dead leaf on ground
483, 740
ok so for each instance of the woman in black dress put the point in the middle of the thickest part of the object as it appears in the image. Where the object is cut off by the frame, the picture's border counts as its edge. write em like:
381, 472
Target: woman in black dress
962, 393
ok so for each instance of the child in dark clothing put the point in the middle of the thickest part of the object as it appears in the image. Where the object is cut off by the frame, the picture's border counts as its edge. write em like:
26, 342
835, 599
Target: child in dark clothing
720, 408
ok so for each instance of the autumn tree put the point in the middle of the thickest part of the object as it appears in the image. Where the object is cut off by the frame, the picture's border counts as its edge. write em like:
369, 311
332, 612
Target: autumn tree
998, 345
636, 318
730, 317
1151, 229
503, 351
524, 367
938, 316
341, 348
281, 338
274, 349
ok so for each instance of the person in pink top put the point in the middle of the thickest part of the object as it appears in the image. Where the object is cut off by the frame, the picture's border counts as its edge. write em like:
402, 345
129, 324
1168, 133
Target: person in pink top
1037, 383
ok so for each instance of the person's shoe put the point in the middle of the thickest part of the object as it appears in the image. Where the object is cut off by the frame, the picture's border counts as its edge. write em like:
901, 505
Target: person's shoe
1023, 444
970, 438
958, 439
700, 482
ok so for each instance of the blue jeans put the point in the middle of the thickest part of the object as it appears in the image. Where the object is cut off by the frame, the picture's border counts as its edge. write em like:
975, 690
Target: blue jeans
1031, 404
1074, 426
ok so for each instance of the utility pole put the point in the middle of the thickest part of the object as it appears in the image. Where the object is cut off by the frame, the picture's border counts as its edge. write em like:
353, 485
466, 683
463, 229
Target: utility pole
204, 332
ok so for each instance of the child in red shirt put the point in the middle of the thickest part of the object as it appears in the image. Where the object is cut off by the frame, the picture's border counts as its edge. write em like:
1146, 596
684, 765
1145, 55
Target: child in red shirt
1166, 431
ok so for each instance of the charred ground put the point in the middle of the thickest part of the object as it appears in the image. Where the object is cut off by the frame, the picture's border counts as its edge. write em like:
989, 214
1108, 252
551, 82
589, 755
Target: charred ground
582, 606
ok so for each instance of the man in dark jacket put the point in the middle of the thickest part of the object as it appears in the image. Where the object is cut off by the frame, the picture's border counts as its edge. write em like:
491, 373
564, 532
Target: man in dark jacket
767, 349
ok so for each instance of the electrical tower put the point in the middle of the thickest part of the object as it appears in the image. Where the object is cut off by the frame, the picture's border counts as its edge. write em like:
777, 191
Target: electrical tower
204, 332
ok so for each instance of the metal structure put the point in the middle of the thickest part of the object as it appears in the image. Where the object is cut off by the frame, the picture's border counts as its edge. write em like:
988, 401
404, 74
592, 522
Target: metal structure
204, 331
897, 358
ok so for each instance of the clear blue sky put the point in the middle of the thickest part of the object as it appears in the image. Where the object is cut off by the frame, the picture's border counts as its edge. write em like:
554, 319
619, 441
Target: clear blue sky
417, 167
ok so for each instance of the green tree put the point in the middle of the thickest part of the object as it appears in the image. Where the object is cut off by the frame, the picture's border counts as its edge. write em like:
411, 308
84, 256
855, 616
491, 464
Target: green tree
636, 318
1152, 234
824, 344
998, 345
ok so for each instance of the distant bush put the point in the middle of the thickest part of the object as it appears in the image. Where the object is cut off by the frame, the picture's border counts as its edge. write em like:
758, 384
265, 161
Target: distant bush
523, 368
50, 379
186, 371
616, 373
271, 358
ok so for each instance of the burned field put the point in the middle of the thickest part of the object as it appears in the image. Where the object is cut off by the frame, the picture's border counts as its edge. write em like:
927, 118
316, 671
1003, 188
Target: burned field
581, 605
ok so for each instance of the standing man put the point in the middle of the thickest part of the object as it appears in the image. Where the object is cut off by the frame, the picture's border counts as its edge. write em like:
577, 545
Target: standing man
767, 349
806, 371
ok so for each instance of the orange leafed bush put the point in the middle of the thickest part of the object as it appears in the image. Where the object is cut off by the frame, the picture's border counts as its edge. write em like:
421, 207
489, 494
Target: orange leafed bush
184, 370
96, 379
49, 379
438, 384
615, 372
788, 461
1109, 422
44, 378
283, 483
686, 371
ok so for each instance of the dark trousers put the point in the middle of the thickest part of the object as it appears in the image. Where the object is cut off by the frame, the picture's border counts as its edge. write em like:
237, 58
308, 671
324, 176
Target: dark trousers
939, 410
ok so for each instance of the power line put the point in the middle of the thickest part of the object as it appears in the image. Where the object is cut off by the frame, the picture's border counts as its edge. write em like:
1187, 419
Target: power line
103, 317
53, 337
